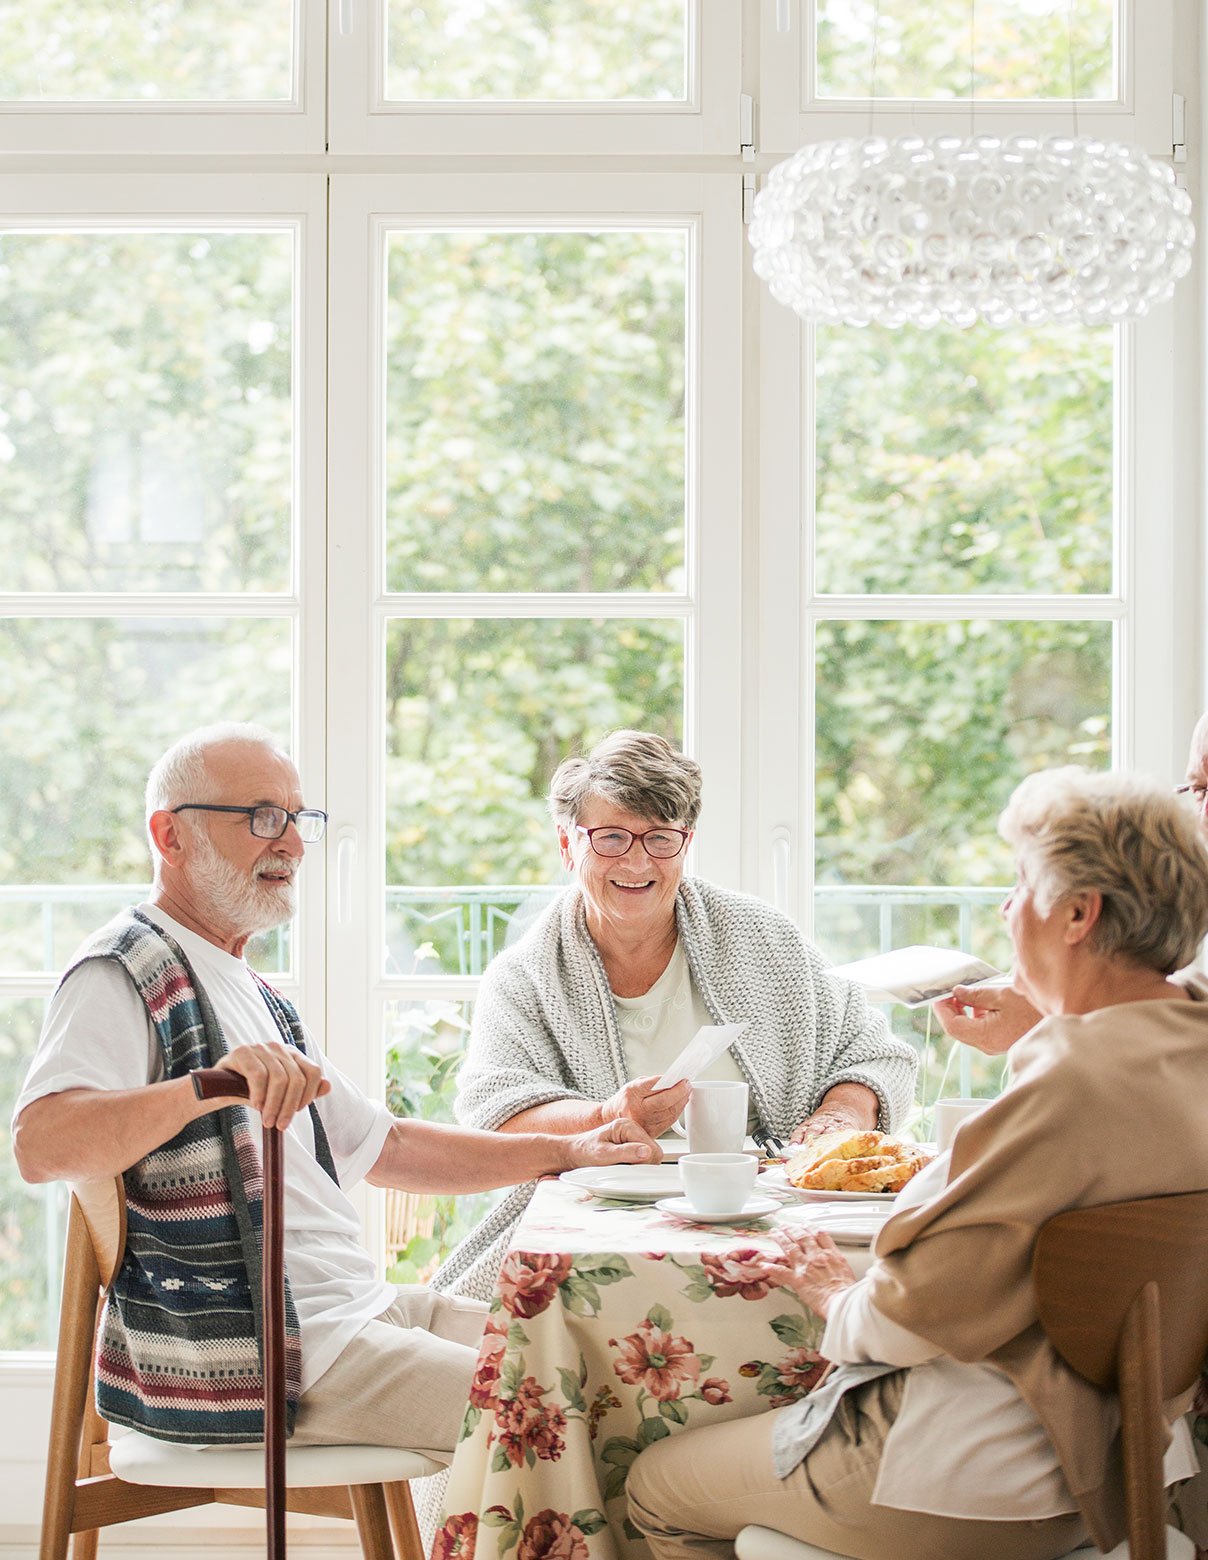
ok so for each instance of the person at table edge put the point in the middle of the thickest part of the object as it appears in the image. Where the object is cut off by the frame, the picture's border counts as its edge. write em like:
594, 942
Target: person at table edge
163, 989
952, 1428
991, 1018
574, 1025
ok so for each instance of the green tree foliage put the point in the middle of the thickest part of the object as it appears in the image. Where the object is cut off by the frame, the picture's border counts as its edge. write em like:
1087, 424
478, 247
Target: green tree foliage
996, 49
536, 50
535, 435
145, 50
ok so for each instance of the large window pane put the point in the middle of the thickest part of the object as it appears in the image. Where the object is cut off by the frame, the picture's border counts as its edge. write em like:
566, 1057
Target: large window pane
89, 704
924, 729
479, 715
424, 1044
535, 410
537, 51
33, 1219
995, 49
964, 460
146, 51
145, 410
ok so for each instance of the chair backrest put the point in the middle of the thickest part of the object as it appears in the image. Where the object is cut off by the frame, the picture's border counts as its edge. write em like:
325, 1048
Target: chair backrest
1090, 1265
102, 1206
1122, 1294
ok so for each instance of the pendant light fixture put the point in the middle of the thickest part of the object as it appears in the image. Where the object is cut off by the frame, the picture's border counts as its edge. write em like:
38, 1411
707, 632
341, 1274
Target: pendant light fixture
921, 231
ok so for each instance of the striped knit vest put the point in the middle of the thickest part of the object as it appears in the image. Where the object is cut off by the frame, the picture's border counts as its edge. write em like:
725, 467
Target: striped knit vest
180, 1352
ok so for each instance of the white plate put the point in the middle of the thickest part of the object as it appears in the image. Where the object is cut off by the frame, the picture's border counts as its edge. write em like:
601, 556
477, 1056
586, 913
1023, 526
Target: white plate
875, 1197
754, 1208
627, 1183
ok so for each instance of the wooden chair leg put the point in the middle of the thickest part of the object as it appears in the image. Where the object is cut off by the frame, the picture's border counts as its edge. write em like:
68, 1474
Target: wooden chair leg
373, 1524
77, 1321
402, 1521
94, 1445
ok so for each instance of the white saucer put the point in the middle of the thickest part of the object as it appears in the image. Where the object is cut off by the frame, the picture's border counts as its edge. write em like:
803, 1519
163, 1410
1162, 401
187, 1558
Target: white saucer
626, 1183
754, 1208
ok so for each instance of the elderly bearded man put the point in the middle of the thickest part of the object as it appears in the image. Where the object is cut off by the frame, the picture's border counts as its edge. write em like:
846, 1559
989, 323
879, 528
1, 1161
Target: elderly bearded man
164, 989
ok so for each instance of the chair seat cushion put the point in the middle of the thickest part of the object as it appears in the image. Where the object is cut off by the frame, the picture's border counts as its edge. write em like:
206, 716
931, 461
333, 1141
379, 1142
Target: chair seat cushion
141, 1459
760, 1543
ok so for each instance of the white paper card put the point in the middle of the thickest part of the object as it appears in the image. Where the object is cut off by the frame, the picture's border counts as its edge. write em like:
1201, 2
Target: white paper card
705, 1046
919, 974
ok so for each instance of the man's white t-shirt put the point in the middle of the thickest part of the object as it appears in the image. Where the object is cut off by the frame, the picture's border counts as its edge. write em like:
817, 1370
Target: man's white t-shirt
98, 1035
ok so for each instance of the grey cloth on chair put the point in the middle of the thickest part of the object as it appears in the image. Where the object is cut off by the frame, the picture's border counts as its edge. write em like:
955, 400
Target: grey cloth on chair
800, 1426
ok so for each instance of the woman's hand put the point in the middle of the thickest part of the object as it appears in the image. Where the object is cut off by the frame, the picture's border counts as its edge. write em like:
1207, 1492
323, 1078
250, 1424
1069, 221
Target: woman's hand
989, 1018
813, 1268
848, 1107
653, 1110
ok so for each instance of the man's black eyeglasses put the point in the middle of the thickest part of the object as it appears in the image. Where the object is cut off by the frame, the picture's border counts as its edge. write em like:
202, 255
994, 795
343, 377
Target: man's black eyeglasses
270, 823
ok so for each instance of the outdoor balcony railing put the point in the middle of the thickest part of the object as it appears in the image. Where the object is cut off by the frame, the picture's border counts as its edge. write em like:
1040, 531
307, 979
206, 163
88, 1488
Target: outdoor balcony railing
465, 926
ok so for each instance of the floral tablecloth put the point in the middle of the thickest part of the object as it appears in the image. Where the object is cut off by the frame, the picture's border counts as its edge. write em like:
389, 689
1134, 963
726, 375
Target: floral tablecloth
613, 1325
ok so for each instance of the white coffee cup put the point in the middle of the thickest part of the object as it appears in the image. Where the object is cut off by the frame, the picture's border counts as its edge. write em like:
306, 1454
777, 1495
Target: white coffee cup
948, 1116
718, 1183
716, 1116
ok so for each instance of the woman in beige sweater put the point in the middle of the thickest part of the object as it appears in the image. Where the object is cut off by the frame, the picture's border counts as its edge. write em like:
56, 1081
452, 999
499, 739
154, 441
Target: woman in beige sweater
951, 1428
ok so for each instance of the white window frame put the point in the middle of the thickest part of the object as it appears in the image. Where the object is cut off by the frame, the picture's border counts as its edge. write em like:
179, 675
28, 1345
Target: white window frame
364, 209
1154, 687
294, 124
791, 114
159, 202
706, 122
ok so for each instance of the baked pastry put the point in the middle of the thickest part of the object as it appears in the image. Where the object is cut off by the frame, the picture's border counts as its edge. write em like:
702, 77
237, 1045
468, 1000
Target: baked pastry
856, 1162
841, 1145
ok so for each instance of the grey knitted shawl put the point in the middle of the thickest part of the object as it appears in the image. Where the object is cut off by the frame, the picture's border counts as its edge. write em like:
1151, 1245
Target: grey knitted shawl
545, 1028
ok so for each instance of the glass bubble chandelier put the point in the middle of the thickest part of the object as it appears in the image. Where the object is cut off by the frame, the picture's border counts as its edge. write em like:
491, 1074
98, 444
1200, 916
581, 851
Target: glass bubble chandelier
919, 231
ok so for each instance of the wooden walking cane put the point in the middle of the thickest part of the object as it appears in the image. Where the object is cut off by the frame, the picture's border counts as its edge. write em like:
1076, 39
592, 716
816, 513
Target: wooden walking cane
211, 1083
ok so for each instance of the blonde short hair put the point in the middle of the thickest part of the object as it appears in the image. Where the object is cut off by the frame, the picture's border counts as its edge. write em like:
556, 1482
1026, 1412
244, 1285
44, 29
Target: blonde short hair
1124, 836
638, 772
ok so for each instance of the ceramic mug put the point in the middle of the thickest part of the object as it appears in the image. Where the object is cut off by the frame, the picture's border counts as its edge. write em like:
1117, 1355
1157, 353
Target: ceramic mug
718, 1183
716, 1116
948, 1116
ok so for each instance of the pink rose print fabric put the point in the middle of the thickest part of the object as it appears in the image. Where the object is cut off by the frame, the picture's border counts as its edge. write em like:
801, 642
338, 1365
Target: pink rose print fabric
528, 1283
612, 1327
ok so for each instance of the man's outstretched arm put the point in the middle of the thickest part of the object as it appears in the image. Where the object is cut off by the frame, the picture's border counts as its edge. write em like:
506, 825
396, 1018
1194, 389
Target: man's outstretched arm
428, 1156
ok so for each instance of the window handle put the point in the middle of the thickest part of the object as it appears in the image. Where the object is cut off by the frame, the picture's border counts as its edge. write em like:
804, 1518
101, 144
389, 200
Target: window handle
346, 855
782, 862
783, 19
344, 17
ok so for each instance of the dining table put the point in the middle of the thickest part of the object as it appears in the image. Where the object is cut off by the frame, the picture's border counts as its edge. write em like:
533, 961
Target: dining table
615, 1324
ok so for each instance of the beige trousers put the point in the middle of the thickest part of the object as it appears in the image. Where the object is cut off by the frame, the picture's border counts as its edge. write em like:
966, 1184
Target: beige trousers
691, 1494
404, 1380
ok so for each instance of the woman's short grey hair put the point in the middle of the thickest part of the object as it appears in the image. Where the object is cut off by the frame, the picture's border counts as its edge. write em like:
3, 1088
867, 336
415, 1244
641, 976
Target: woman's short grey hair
637, 771
181, 774
1125, 837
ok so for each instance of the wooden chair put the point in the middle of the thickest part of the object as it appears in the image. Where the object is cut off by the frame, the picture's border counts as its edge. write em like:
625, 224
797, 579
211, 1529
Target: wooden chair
1122, 1292
84, 1493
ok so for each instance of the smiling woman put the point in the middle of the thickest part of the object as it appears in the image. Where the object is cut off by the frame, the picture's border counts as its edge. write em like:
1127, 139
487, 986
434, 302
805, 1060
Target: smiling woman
576, 1023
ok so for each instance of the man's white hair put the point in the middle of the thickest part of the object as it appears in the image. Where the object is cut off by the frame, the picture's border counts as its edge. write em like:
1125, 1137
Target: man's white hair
182, 774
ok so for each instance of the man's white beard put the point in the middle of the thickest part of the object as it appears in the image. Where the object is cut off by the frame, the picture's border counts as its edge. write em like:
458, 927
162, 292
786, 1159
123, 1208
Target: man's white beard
238, 900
